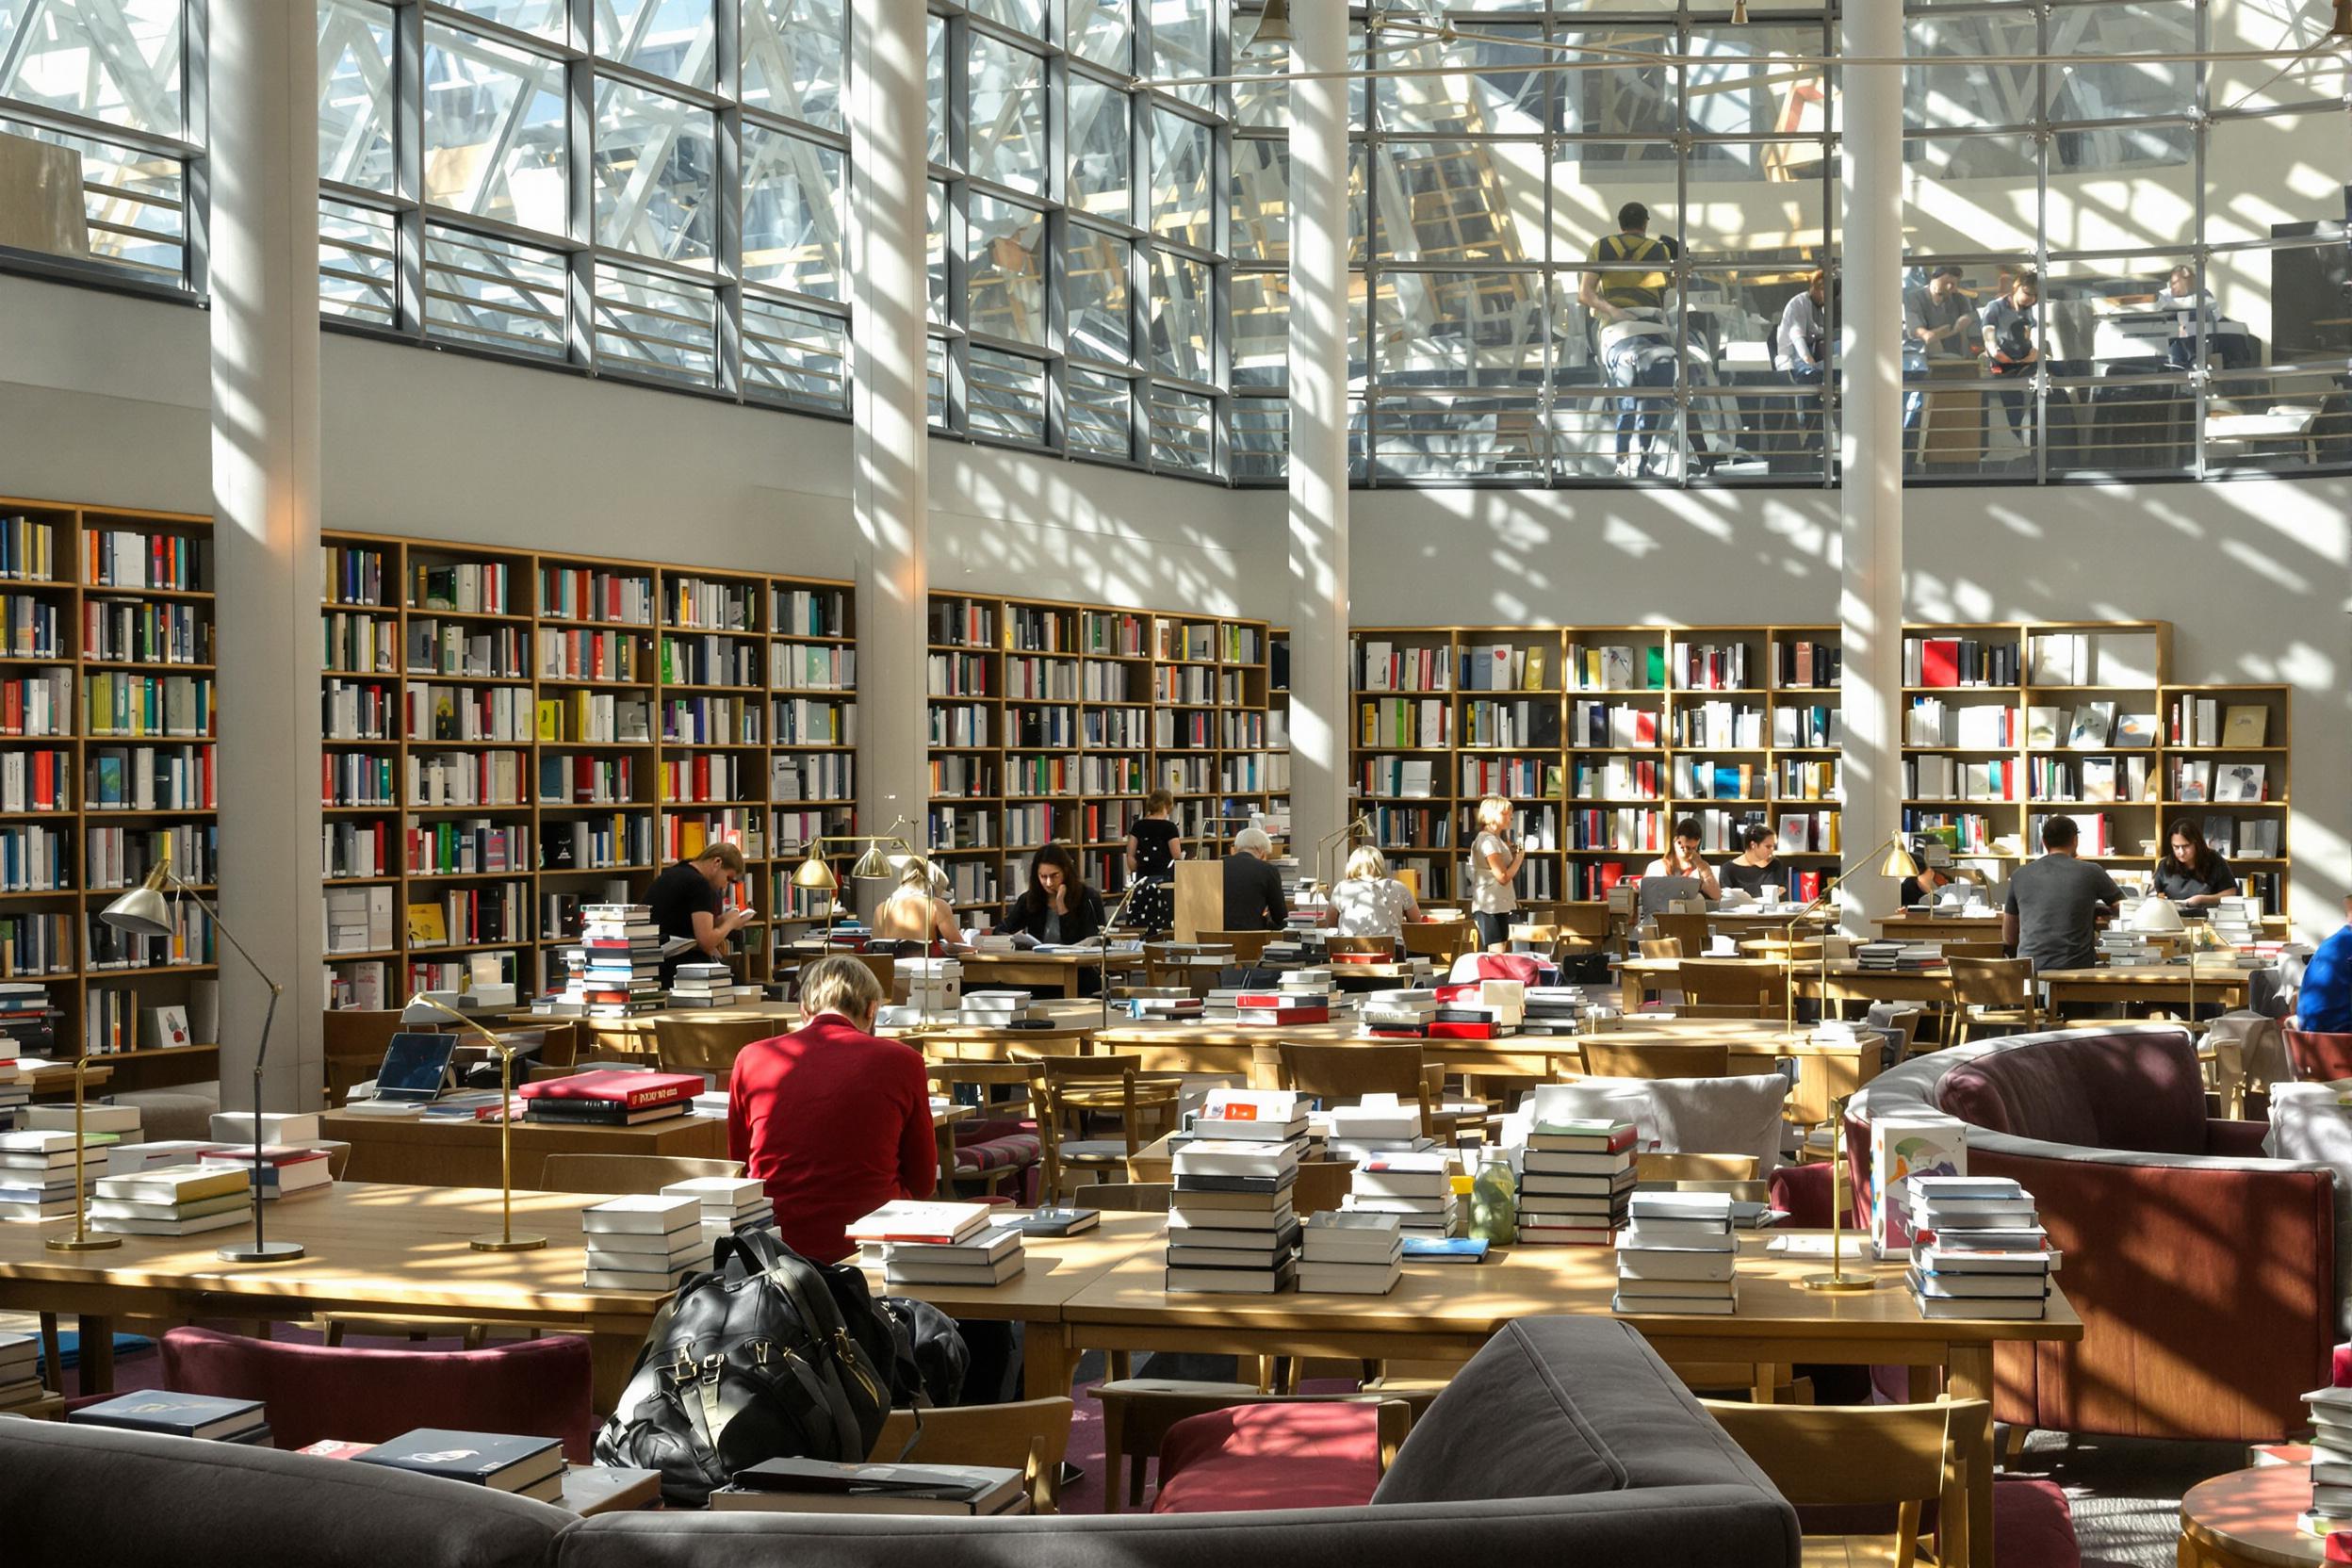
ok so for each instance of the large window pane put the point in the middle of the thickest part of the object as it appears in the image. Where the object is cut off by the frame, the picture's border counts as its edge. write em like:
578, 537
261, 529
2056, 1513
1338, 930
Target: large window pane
794, 57
1261, 339
1100, 415
358, 250
1184, 433
1102, 151
652, 325
543, 18
1028, 16
115, 60
935, 252
934, 76
657, 174
1443, 329
136, 204
355, 93
1094, 268
795, 204
1740, 83
493, 292
1103, 32
1180, 179
1501, 97
1005, 268
795, 355
1260, 228
493, 131
677, 39
1179, 44
1460, 201
1180, 317
1006, 396
1007, 115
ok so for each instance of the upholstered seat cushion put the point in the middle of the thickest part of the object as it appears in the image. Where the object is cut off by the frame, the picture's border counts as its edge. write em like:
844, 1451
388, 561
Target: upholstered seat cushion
1513, 1384
1015, 1152
1093, 1149
2032, 1524
2141, 1091
1252, 1457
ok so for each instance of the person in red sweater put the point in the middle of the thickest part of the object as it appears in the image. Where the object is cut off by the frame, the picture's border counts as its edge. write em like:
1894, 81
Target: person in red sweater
832, 1121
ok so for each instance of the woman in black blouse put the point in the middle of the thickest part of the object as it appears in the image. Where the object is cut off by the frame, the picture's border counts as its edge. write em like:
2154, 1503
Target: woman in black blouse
1059, 906
2190, 874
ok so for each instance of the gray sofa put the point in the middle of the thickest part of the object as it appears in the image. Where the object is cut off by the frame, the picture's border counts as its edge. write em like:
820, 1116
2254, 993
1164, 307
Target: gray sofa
1565, 1440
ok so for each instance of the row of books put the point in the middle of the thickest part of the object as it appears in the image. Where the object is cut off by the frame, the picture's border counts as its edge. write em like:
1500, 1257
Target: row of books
130, 632
434, 646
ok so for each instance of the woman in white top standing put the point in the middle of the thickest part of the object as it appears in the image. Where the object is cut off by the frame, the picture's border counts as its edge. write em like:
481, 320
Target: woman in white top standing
1495, 862
1370, 903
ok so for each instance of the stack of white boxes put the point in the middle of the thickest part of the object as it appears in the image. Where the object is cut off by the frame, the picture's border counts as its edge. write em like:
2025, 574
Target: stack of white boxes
1678, 1254
933, 986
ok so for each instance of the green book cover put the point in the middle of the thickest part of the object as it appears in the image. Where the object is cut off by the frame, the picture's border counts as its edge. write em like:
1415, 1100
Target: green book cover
1654, 676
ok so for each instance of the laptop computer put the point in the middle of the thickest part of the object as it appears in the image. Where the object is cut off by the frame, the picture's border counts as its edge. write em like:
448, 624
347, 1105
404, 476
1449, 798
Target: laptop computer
415, 1067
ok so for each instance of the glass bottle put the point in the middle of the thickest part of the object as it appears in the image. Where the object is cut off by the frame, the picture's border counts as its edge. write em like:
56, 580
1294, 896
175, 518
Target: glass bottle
1493, 1200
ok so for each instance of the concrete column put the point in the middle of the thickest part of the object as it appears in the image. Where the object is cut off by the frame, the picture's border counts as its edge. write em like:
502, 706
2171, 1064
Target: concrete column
264, 165
1870, 599
889, 494
1319, 711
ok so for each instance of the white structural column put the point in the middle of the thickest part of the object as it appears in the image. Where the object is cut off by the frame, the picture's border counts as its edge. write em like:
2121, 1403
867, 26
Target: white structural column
889, 494
264, 169
1318, 427
1870, 599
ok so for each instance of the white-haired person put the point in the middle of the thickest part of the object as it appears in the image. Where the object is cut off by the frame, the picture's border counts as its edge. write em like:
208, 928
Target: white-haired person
1495, 862
915, 917
1368, 902
1254, 888
833, 1121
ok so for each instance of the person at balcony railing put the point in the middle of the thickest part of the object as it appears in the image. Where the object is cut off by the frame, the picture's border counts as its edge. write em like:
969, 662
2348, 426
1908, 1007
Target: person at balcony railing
1938, 322
2010, 353
2186, 303
1626, 294
1801, 348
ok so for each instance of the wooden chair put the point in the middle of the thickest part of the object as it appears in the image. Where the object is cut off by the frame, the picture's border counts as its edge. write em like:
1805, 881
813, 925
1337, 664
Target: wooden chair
1848, 1456
1339, 1074
356, 1042
1442, 941
1727, 987
1689, 930
1385, 948
1138, 1412
1657, 1167
1030, 1436
1605, 1058
947, 1076
1992, 993
627, 1173
1248, 946
707, 1044
1662, 947
1069, 1089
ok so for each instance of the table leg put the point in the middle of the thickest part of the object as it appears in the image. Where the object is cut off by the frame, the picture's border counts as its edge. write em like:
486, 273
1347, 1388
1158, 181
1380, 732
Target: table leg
1047, 1361
96, 1367
1970, 1376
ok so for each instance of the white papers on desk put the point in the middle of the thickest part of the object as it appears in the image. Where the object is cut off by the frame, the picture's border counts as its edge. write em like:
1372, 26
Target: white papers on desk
1853, 1248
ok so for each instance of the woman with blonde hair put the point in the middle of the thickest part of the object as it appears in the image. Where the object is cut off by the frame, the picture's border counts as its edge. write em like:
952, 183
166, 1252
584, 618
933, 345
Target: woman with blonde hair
1495, 862
1370, 903
914, 916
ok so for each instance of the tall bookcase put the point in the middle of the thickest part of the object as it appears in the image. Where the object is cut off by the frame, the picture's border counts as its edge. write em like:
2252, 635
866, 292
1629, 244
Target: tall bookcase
1278, 722
511, 734
108, 724
1050, 719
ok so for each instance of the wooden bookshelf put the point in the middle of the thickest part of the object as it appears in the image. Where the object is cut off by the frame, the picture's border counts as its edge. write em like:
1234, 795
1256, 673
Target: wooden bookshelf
565, 725
1051, 720
1278, 722
112, 620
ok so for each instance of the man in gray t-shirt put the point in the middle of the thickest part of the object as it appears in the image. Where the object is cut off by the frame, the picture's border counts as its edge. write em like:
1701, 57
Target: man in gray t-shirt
2055, 902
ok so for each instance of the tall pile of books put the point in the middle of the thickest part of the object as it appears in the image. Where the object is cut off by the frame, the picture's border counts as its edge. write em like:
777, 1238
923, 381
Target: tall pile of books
37, 1175
730, 1203
1978, 1248
2119, 945
16, 1083
26, 1017
20, 1377
938, 1244
2331, 1461
1403, 1013
608, 1099
616, 968
157, 1410
1001, 1010
1416, 1186
707, 984
171, 1201
1303, 996
1352, 1253
1484, 1010
1376, 1125
1554, 1010
1230, 1223
285, 1170
642, 1241
1678, 1254
1575, 1179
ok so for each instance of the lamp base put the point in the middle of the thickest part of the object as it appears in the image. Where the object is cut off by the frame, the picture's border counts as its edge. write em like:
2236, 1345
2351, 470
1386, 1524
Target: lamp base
81, 1243
507, 1244
1841, 1282
268, 1251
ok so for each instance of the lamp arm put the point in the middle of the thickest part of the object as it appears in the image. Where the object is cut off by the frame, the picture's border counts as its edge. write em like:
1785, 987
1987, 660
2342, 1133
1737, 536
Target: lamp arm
492, 1040
228, 935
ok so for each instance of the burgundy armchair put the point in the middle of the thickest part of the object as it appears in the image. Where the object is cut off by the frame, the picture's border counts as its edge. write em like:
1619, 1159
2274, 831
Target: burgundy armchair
2317, 1058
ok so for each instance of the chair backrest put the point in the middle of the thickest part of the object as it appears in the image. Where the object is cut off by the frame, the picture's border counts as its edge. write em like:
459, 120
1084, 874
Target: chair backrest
1438, 939
1661, 947
707, 1044
1131, 1197
1339, 1075
1689, 930
1728, 981
1381, 946
627, 1173
1606, 1058
885, 968
1991, 982
1656, 1166
1030, 1436
356, 1042
530, 1388
1846, 1456
2318, 1058
1247, 945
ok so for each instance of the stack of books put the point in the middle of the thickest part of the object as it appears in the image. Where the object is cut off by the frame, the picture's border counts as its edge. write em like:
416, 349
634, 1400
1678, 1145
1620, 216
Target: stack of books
1678, 1254
934, 987
993, 941
1282, 953
2331, 1461
1900, 958
1576, 1177
20, 1379
527, 1466
642, 1241
157, 1410
129, 1159
608, 1099
171, 1201
938, 1244
830, 1486
1286, 1003
1358, 1253
1554, 1010
730, 1203
1417, 1187
16, 1087
1001, 1010
1230, 1223
37, 1175
100, 1122
1400, 1014
286, 1171
276, 1127
1978, 1250
703, 985
2119, 945
1224, 1002
1378, 1124
1465, 1016
616, 970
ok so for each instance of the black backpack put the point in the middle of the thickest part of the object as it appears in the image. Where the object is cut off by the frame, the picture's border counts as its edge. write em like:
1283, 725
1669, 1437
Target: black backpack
768, 1356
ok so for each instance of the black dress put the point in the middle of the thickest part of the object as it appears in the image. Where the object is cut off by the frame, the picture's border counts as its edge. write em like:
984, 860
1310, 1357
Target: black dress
1153, 904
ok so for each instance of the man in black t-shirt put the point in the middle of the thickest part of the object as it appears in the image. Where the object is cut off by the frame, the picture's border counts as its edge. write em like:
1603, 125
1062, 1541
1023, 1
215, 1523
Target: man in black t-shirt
689, 900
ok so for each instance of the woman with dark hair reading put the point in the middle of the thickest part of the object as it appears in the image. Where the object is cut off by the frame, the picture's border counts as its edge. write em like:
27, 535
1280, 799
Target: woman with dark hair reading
2189, 873
1058, 907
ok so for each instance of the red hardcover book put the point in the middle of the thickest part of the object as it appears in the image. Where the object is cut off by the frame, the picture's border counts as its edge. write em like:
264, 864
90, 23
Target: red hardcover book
1939, 661
633, 1089
1284, 1014
1440, 1031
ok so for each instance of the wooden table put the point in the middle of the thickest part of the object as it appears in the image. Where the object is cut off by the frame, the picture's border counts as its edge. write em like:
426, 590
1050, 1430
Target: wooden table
1643, 980
55, 1081
1441, 1312
1938, 928
990, 970
634, 1037
2113, 987
462, 1152
2246, 1520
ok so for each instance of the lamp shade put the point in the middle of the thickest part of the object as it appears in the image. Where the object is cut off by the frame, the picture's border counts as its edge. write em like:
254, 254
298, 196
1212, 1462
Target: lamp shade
419, 1010
2156, 915
813, 873
1898, 861
140, 913
873, 862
